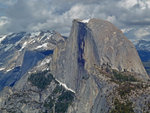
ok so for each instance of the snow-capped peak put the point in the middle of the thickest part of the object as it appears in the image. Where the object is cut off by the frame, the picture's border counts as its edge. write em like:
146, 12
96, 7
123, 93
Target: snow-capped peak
35, 34
143, 45
85, 20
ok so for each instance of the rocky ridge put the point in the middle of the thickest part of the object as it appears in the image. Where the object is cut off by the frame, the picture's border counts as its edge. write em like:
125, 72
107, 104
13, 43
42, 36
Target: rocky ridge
143, 48
19, 52
143, 45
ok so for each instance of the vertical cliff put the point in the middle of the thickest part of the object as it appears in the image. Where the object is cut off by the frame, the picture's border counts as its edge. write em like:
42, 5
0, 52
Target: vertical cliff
90, 44
96, 42
114, 48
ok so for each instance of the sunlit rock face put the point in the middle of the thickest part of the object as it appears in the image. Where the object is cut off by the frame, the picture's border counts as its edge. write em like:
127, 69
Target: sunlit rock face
114, 48
94, 42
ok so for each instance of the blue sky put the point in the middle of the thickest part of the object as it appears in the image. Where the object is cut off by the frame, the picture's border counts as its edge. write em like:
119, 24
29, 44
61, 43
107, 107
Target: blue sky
132, 16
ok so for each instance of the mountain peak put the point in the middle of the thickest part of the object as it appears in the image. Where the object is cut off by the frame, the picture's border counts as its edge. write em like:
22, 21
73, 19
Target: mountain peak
90, 19
91, 47
107, 44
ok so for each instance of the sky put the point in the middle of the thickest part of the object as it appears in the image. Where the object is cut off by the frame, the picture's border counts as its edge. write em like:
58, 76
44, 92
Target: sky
131, 16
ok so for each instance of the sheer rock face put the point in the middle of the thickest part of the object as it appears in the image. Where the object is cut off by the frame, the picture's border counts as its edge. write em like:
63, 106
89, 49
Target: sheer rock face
114, 48
97, 42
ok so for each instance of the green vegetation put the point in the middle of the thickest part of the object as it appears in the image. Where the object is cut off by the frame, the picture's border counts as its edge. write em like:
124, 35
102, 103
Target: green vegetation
123, 77
126, 85
66, 96
50, 103
61, 107
61, 98
41, 79
125, 89
58, 89
64, 100
122, 107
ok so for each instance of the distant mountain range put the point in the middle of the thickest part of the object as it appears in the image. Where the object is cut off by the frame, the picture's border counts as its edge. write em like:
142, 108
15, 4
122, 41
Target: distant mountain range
143, 48
20, 52
143, 45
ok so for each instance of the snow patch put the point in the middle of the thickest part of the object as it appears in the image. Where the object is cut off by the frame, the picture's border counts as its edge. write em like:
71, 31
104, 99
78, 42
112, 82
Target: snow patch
1, 69
65, 86
34, 34
8, 47
42, 46
17, 42
9, 70
23, 46
47, 35
126, 30
46, 61
31, 41
85, 21
2, 38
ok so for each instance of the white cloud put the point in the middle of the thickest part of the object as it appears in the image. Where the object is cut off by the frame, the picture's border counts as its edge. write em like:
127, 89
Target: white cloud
33, 15
3, 21
8, 2
148, 3
111, 19
127, 3
142, 32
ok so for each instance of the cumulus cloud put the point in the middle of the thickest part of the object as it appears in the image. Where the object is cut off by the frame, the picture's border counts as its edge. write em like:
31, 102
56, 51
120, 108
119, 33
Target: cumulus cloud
127, 3
4, 21
30, 15
142, 32
7, 2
